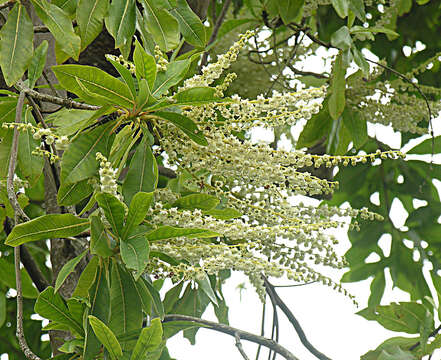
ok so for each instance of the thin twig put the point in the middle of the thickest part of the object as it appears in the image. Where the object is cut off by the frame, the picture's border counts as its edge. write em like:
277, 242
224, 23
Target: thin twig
69, 103
240, 347
277, 300
49, 82
271, 344
19, 217
215, 31
433, 333
262, 330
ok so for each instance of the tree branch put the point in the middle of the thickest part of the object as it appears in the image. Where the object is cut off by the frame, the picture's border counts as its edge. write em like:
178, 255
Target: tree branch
240, 347
216, 28
271, 344
33, 270
19, 216
279, 302
69, 103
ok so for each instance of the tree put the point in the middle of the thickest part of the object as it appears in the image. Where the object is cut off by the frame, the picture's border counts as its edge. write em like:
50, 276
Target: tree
127, 160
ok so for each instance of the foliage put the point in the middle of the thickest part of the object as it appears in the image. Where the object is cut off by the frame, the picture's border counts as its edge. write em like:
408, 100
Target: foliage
151, 172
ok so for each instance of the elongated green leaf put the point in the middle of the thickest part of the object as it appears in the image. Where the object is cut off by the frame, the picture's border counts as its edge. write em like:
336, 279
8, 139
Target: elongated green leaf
60, 26
144, 295
148, 289
224, 214
163, 27
149, 339
139, 206
37, 63
189, 24
7, 277
120, 21
3, 308
341, 7
71, 194
205, 286
360, 60
52, 306
90, 16
143, 172
169, 232
67, 269
30, 166
107, 337
197, 201
16, 44
99, 306
342, 38
126, 76
175, 72
426, 146
186, 125
94, 85
377, 289
337, 98
47, 227
197, 96
145, 65
113, 209
357, 6
86, 280
99, 239
135, 251
289, 10
68, 121
356, 125
125, 304
68, 6
79, 160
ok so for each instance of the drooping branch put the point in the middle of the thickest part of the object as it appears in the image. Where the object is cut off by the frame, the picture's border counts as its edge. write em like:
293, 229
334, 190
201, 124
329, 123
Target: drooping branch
240, 347
271, 344
19, 217
279, 302
69, 103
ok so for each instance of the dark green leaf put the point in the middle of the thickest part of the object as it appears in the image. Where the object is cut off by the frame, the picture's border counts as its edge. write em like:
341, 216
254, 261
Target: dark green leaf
67, 269
190, 25
149, 339
341, 7
37, 63
71, 194
175, 72
138, 209
337, 101
16, 44
135, 251
107, 337
377, 289
90, 15
289, 10
7, 277
99, 239
342, 39
356, 126
113, 209
145, 65
47, 227
197, 201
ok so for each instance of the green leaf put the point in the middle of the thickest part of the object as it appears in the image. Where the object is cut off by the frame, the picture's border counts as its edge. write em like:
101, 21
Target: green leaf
138, 209
341, 7
356, 125
169, 232
86, 280
190, 25
135, 251
121, 20
163, 27
7, 277
67, 122
357, 6
68, 6
79, 160
377, 290
145, 65
90, 15
125, 303
52, 306
60, 26
289, 10
99, 306
425, 147
337, 100
143, 172
94, 85
360, 60
223, 214
47, 227
16, 44
148, 289
29, 165
197, 96
396, 354
175, 72
3, 308
186, 125
37, 63
67, 269
197, 201
342, 39
99, 239
126, 76
113, 209
71, 194
149, 339
205, 286
316, 128
107, 337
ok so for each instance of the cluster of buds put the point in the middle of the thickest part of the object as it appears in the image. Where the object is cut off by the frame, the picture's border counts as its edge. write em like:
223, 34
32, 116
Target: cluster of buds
107, 175
120, 59
161, 61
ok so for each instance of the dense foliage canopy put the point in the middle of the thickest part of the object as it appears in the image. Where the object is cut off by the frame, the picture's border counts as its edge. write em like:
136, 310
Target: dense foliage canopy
131, 185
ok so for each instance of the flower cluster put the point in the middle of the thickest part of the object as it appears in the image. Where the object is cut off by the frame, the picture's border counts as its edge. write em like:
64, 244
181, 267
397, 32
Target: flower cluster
120, 59
161, 60
107, 176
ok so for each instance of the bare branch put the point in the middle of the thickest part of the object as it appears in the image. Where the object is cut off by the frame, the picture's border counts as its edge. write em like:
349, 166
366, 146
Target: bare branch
271, 344
69, 103
216, 28
19, 216
279, 302
240, 347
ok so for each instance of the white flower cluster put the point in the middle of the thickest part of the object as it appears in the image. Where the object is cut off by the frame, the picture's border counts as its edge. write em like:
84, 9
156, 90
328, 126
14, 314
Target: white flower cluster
243, 114
120, 59
213, 71
161, 60
107, 176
